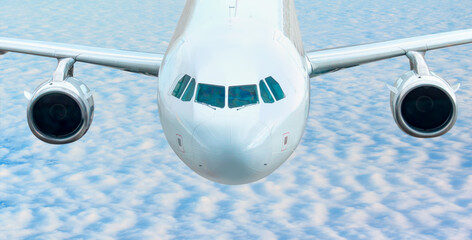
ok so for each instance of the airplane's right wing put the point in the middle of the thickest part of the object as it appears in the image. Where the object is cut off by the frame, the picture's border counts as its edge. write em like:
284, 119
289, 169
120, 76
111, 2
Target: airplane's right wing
60, 110
138, 62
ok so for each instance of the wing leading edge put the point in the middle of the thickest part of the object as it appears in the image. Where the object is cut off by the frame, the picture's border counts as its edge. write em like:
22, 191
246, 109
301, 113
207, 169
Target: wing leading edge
330, 60
138, 62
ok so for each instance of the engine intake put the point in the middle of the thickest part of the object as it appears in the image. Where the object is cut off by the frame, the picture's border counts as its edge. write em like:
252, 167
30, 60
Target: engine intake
427, 109
57, 114
423, 106
61, 110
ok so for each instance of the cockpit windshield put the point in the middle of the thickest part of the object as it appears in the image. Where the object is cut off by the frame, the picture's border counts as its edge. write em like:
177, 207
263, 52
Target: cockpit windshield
180, 86
265, 94
188, 95
212, 95
275, 88
239, 96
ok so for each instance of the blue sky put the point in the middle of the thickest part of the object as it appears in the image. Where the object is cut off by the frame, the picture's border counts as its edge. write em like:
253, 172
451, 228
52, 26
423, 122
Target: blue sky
355, 175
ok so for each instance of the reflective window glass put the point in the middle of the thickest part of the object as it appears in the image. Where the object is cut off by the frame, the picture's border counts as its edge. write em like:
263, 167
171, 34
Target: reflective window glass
275, 88
211, 95
265, 94
239, 96
180, 86
188, 95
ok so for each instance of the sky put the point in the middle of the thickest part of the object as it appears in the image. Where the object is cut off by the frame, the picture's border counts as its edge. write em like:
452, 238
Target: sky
355, 175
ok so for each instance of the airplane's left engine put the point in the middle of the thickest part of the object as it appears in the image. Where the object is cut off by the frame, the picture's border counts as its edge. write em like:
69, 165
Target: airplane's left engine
423, 106
60, 112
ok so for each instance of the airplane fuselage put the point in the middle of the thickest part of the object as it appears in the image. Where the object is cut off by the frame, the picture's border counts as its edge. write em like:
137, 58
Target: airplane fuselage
240, 131
233, 87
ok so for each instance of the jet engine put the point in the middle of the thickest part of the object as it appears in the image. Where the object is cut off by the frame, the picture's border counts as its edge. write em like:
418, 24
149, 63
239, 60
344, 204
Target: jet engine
423, 105
60, 110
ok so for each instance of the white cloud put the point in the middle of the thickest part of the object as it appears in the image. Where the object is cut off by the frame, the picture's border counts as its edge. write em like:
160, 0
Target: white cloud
354, 176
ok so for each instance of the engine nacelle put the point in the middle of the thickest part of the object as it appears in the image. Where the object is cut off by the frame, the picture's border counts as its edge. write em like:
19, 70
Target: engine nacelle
60, 112
423, 105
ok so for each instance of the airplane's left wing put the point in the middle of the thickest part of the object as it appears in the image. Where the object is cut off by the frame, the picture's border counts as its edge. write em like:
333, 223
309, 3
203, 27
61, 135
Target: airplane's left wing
330, 60
422, 103
138, 62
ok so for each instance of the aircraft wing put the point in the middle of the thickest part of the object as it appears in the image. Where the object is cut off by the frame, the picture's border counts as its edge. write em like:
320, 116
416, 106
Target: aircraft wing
330, 60
138, 62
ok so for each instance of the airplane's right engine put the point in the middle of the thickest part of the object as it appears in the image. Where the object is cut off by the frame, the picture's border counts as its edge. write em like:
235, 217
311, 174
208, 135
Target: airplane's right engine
60, 112
423, 105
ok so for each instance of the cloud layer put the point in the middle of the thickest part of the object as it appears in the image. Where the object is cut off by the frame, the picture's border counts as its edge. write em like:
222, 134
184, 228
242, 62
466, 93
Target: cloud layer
355, 175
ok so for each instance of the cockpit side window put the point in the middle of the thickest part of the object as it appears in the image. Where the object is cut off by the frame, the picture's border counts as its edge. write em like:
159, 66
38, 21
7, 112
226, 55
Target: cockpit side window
265, 94
275, 88
180, 86
188, 95
212, 95
239, 96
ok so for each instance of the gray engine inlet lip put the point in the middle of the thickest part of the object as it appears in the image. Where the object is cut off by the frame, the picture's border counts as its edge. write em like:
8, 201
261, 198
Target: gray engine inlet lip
73, 137
405, 126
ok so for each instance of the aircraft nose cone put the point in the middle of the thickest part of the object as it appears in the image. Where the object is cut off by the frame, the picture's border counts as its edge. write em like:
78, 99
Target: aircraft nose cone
232, 152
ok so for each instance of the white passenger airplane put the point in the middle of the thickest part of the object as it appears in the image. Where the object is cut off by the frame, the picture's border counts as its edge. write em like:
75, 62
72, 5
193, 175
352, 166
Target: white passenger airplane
233, 92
